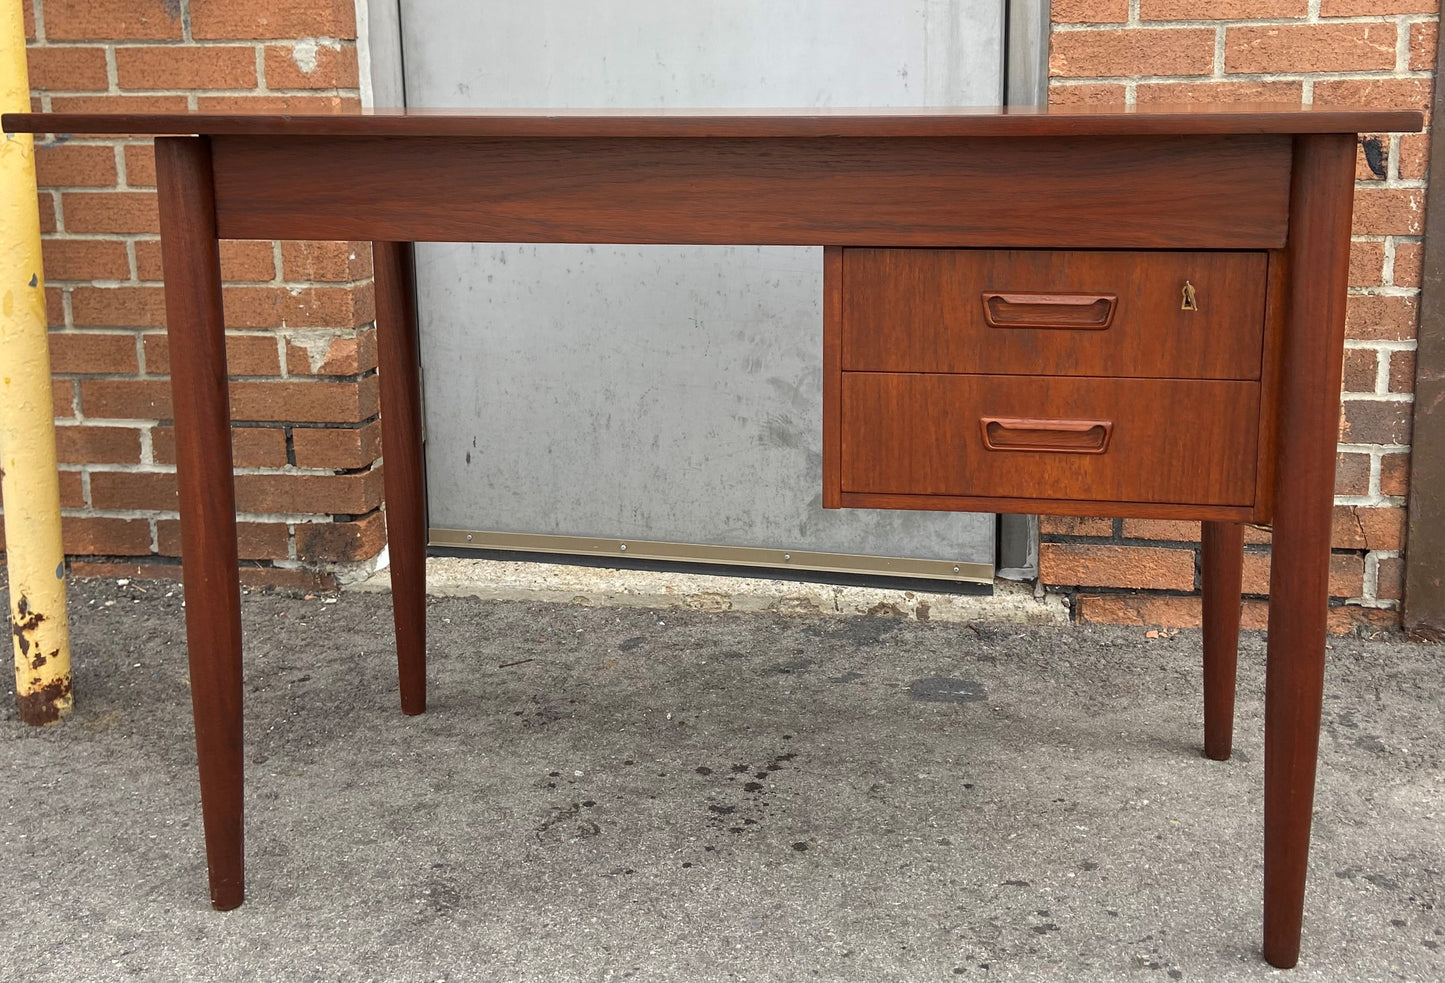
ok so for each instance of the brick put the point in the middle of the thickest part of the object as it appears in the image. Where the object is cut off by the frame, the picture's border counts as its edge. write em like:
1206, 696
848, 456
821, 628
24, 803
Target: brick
140, 165
304, 307
254, 540
337, 447
1390, 578
1408, 264
311, 65
97, 445
317, 494
312, 402
93, 352
1383, 318
1092, 54
246, 355
1376, 421
210, 66
1364, 8
119, 104
1367, 264
1395, 474
84, 259
125, 399
223, 19
96, 20
119, 306
67, 69
311, 105
251, 447
266, 578
1422, 46
1361, 365
1359, 527
1352, 47
1351, 619
100, 536
1178, 530
140, 490
1414, 156
62, 398
1352, 474
326, 261
1105, 94
151, 570
61, 165
1347, 574
340, 542
1199, 92
1389, 211
344, 355
1074, 525
110, 211
1221, 9
1116, 566
1402, 372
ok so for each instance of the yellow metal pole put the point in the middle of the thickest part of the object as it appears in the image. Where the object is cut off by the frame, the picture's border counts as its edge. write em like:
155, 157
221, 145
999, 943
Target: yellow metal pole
29, 481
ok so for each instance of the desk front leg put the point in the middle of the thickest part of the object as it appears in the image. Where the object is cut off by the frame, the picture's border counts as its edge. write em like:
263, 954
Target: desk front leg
202, 412
1321, 201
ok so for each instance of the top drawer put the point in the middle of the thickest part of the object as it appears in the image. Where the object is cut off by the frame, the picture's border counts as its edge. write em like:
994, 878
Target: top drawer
1051, 312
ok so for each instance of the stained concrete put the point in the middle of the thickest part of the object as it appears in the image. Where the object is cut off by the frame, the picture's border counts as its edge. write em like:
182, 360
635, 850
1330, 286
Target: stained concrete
602, 794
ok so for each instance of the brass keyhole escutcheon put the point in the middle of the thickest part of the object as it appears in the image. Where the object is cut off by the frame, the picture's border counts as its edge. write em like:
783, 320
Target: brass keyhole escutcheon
1190, 301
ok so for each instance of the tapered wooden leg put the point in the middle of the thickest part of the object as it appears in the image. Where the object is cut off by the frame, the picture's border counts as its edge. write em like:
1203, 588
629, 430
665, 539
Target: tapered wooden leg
201, 408
1321, 200
1223, 576
401, 448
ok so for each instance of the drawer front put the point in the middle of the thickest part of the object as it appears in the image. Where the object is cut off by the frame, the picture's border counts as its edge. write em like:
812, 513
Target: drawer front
1187, 442
1052, 312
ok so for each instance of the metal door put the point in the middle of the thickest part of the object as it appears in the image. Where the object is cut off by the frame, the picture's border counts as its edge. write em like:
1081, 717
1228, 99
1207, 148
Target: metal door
665, 402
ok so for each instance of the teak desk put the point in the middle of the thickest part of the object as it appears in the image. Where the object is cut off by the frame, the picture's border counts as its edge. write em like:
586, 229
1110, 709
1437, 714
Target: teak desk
1126, 313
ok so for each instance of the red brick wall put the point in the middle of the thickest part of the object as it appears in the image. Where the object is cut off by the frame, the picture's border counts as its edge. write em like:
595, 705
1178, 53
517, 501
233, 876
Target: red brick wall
301, 346
1377, 53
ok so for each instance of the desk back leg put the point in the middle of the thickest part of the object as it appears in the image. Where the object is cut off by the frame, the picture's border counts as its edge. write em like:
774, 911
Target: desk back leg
401, 448
1223, 578
201, 408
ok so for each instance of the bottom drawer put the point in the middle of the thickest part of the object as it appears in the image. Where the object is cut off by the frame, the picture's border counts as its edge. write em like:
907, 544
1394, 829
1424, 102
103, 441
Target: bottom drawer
1180, 441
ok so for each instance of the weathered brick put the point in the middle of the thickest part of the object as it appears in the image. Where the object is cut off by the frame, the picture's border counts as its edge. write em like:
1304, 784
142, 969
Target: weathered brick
1102, 94
1347, 574
1360, 527
1408, 260
1361, 366
125, 399
84, 259
337, 447
340, 541
254, 540
312, 402
310, 64
1074, 525
1352, 474
1395, 474
1402, 372
1389, 211
101, 536
283, 19
92, 352
139, 490
318, 494
1377, 317
1221, 9
246, 355
329, 354
1092, 54
110, 211
1376, 421
97, 445
118, 306
1116, 566
1367, 263
1222, 91
1349, 47
67, 69
251, 447
168, 66
63, 165
326, 261
105, 20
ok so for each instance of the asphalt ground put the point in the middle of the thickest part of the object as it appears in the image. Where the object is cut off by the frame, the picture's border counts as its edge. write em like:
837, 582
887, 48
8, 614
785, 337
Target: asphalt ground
601, 794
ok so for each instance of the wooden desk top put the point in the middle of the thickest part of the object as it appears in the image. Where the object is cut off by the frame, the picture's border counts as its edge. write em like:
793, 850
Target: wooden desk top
1016, 121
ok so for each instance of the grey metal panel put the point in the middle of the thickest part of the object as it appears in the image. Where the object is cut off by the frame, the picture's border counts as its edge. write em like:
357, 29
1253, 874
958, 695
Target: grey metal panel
662, 393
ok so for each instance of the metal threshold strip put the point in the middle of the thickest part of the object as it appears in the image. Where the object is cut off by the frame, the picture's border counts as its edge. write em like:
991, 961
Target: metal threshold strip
745, 556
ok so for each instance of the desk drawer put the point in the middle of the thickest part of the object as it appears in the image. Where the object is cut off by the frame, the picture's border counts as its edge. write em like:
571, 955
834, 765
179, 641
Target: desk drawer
1175, 441
1054, 312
